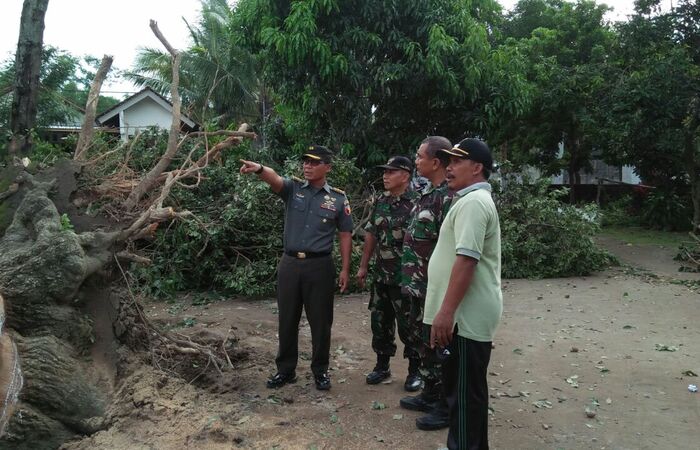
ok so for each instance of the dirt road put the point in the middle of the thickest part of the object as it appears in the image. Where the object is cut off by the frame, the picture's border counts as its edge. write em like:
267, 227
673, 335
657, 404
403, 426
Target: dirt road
620, 346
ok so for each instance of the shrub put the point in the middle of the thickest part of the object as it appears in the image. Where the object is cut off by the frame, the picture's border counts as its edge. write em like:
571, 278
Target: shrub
668, 209
46, 153
542, 237
621, 212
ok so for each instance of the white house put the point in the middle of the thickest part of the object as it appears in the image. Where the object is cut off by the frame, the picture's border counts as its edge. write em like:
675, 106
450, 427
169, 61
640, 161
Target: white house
604, 172
601, 172
142, 110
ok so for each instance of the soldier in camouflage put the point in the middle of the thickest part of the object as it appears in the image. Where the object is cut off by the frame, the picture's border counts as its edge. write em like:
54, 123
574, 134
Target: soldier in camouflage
419, 242
384, 238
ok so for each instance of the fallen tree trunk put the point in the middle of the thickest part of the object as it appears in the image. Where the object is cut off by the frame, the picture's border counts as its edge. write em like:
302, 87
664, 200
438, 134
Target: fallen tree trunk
151, 177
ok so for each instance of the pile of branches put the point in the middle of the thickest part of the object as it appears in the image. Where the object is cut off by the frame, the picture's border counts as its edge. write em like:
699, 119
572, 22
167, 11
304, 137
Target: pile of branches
689, 255
190, 357
140, 200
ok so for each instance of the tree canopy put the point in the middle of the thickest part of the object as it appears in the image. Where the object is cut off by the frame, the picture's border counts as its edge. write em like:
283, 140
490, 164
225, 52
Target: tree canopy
568, 47
373, 78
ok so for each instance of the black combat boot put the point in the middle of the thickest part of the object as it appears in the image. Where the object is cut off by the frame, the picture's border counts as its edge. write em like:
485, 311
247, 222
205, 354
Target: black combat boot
381, 371
413, 381
426, 401
437, 419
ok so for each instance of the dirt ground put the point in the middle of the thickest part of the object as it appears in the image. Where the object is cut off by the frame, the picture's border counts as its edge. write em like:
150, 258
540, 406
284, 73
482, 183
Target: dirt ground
621, 346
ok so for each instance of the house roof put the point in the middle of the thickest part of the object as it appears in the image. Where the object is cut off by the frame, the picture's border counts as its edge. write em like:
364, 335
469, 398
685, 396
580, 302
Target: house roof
136, 98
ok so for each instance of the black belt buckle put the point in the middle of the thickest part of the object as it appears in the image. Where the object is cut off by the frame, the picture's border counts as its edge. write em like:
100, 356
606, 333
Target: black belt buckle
307, 255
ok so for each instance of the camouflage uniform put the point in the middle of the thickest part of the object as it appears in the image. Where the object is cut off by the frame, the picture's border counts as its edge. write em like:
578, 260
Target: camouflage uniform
419, 241
387, 305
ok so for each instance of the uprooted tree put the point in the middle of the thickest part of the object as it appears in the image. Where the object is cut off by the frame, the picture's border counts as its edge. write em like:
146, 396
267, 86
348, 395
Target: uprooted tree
52, 277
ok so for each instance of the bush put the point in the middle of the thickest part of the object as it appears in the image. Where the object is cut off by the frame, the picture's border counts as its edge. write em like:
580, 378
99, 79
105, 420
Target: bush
621, 213
542, 237
668, 209
46, 153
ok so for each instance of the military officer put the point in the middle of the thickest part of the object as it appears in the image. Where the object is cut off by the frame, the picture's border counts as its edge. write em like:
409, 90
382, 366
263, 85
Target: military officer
384, 239
419, 241
314, 211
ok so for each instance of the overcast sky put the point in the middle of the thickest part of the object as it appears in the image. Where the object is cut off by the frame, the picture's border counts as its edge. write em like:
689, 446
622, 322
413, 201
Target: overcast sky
98, 27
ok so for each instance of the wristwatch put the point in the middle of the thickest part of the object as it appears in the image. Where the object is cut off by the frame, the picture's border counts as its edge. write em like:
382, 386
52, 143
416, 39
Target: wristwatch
259, 171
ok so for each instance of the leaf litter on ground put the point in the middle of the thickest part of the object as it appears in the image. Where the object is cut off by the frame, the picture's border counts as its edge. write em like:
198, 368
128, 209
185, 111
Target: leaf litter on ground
665, 348
573, 381
544, 403
378, 405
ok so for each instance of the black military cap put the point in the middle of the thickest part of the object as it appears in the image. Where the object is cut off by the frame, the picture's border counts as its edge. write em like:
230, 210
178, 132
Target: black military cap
474, 149
319, 153
398, 163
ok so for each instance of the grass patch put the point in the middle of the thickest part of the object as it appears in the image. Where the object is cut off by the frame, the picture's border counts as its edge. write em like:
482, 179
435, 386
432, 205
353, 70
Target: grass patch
645, 236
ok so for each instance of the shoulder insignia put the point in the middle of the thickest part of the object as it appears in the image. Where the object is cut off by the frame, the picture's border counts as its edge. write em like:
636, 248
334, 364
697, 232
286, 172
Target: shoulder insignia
339, 191
297, 179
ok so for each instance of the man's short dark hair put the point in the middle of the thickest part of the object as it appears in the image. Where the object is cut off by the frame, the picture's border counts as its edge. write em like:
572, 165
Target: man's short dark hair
436, 143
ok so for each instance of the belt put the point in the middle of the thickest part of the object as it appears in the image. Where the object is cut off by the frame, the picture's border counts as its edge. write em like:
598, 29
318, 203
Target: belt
305, 255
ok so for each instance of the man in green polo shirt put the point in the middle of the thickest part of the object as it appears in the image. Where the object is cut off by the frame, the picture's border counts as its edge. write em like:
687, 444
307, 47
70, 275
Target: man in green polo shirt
464, 302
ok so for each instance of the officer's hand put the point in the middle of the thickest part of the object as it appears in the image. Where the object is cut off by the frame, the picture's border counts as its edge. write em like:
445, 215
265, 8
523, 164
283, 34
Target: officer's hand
361, 277
249, 166
343, 280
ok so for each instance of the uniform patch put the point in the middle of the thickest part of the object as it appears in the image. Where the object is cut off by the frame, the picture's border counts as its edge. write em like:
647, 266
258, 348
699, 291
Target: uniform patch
346, 205
329, 204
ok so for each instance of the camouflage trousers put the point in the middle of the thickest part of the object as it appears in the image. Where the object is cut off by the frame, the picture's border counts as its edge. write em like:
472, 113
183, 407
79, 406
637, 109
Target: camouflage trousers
389, 310
430, 365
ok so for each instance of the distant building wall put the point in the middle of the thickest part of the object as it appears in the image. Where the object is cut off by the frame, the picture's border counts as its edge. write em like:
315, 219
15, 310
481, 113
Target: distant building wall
624, 174
144, 114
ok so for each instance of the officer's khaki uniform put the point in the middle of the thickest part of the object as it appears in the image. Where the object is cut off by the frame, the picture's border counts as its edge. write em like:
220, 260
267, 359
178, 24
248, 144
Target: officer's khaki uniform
306, 273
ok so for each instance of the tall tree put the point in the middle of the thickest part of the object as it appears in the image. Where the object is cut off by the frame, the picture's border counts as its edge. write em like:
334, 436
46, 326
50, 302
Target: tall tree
651, 108
568, 47
27, 66
373, 78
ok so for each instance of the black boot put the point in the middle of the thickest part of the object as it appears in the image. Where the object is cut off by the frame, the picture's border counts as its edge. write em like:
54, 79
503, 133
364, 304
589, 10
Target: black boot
426, 401
437, 419
381, 371
413, 381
